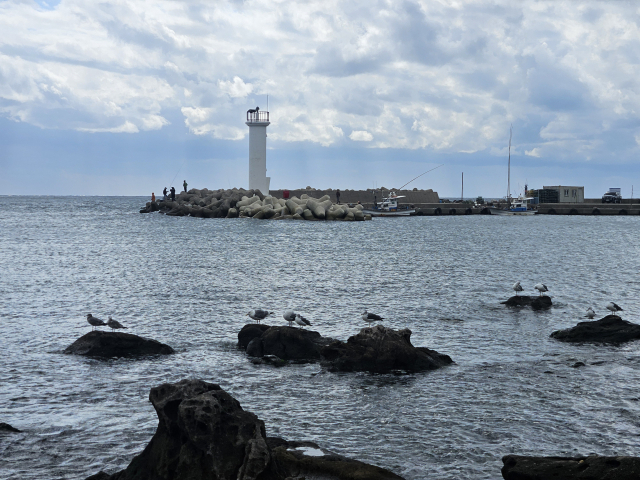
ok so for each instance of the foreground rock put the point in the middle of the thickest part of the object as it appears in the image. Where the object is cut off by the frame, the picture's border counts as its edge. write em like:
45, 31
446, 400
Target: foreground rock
116, 344
537, 303
610, 329
203, 433
235, 202
378, 349
5, 427
518, 467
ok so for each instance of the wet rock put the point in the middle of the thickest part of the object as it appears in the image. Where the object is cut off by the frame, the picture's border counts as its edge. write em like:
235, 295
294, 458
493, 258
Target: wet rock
537, 303
116, 344
150, 207
5, 427
203, 434
381, 350
578, 365
610, 329
517, 467
249, 332
286, 343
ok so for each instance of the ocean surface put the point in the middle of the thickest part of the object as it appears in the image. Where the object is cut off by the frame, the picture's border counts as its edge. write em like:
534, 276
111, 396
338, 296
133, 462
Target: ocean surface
189, 282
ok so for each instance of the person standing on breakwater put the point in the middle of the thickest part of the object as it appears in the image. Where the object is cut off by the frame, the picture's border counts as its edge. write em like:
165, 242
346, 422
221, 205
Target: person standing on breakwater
173, 194
164, 192
338, 196
153, 197
184, 184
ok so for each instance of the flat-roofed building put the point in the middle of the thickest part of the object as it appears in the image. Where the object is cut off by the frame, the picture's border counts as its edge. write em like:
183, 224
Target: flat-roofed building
568, 194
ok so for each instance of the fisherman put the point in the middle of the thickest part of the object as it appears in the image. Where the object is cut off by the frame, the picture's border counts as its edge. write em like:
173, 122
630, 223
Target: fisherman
164, 192
173, 194
184, 184
153, 197
338, 196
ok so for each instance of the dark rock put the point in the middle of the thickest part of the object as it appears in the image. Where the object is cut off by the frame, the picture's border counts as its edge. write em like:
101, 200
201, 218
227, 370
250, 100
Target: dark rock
381, 350
293, 463
517, 467
578, 364
116, 344
249, 332
610, 329
537, 303
204, 434
150, 207
5, 427
290, 343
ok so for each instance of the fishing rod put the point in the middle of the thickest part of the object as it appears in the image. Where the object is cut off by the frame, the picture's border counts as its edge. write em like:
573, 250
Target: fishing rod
181, 165
420, 176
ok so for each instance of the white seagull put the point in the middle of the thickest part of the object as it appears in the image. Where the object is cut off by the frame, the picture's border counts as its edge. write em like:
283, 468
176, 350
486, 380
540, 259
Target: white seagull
94, 322
517, 287
541, 287
614, 307
590, 313
300, 320
289, 316
114, 324
258, 315
370, 317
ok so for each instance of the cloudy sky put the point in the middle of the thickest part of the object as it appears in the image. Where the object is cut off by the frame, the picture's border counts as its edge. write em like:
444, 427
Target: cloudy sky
124, 97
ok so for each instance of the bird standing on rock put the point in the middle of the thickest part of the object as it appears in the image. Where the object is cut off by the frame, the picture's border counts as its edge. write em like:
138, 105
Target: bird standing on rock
258, 315
590, 313
370, 317
614, 307
94, 322
289, 316
517, 287
114, 324
541, 287
300, 320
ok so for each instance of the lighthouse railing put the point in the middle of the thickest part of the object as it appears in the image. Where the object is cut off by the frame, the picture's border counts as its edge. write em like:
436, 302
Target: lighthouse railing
257, 117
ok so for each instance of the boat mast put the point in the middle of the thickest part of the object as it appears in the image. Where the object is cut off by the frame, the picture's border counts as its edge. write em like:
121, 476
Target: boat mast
509, 168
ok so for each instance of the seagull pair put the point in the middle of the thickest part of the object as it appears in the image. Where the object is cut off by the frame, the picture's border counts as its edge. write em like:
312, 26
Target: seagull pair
291, 316
111, 323
541, 287
258, 314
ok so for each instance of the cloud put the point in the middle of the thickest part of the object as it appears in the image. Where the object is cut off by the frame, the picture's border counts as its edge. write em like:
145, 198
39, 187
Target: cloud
237, 88
534, 152
360, 136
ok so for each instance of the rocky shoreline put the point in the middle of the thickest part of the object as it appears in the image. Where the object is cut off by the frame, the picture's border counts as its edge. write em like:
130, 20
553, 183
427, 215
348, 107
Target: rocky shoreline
240, 203
374, 349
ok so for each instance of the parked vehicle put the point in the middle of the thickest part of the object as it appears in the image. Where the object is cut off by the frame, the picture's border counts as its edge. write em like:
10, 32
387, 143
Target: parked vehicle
612, 196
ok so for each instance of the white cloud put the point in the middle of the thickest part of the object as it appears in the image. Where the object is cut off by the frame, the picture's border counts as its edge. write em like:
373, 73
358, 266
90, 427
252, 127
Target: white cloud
360, 136
237, 88
534, 152
126, 127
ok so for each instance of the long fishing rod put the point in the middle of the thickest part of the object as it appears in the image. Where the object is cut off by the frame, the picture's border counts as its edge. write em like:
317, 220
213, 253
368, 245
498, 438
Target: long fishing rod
181, 165
420, 176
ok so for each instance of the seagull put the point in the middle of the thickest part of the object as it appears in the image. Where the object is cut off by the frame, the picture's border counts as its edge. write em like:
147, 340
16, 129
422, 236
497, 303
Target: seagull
517, 287
289, 316
590, 313
300, 320
114, 324
613, 307
370, 317
94, 322
258, 315
541, 287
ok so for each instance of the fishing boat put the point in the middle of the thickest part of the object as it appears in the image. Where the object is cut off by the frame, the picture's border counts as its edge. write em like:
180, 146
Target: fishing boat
389, 207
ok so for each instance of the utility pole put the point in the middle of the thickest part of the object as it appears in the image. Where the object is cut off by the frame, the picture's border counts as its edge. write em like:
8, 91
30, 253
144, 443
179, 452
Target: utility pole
462, 194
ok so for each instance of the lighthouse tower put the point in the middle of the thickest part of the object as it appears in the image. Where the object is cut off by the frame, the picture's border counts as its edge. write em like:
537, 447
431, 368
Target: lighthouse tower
258, 121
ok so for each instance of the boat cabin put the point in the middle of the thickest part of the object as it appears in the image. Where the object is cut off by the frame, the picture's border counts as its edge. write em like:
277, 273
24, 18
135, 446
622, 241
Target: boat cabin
520, 204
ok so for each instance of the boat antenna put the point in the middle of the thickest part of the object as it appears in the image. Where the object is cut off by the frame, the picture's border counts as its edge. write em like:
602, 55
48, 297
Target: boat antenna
509, 166
419, 176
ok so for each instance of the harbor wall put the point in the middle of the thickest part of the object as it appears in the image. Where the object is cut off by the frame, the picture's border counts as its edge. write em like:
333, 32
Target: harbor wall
543, 209
365, 197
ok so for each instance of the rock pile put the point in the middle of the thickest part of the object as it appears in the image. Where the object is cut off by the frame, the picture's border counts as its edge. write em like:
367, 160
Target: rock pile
116, 344
610, 329
518, 467
203, 433
235, 203
378, 349
536, 303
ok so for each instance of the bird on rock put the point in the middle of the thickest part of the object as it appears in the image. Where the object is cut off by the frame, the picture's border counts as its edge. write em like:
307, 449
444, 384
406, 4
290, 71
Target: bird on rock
289, 316
370, 317
614, 307
94, 322
590, 313
258, 315
517, 287
114, 324
300, 320
541, 287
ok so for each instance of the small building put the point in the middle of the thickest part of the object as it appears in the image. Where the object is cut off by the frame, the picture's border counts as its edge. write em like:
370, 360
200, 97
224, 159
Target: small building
567, 194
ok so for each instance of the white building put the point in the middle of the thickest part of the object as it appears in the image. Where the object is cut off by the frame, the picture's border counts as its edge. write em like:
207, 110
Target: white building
568, 194
258, 121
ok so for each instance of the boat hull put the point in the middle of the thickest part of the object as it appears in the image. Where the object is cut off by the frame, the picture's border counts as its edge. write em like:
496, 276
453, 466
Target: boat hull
390, 213
495, 211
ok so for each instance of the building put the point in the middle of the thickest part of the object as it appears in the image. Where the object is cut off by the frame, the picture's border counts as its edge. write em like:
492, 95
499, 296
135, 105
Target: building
258, 121
567, 194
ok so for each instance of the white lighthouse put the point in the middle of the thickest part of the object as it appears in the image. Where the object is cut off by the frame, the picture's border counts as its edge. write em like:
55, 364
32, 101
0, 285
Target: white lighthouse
258, 121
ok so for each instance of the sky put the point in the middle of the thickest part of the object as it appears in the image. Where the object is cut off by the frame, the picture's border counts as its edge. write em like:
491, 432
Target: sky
127, 97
